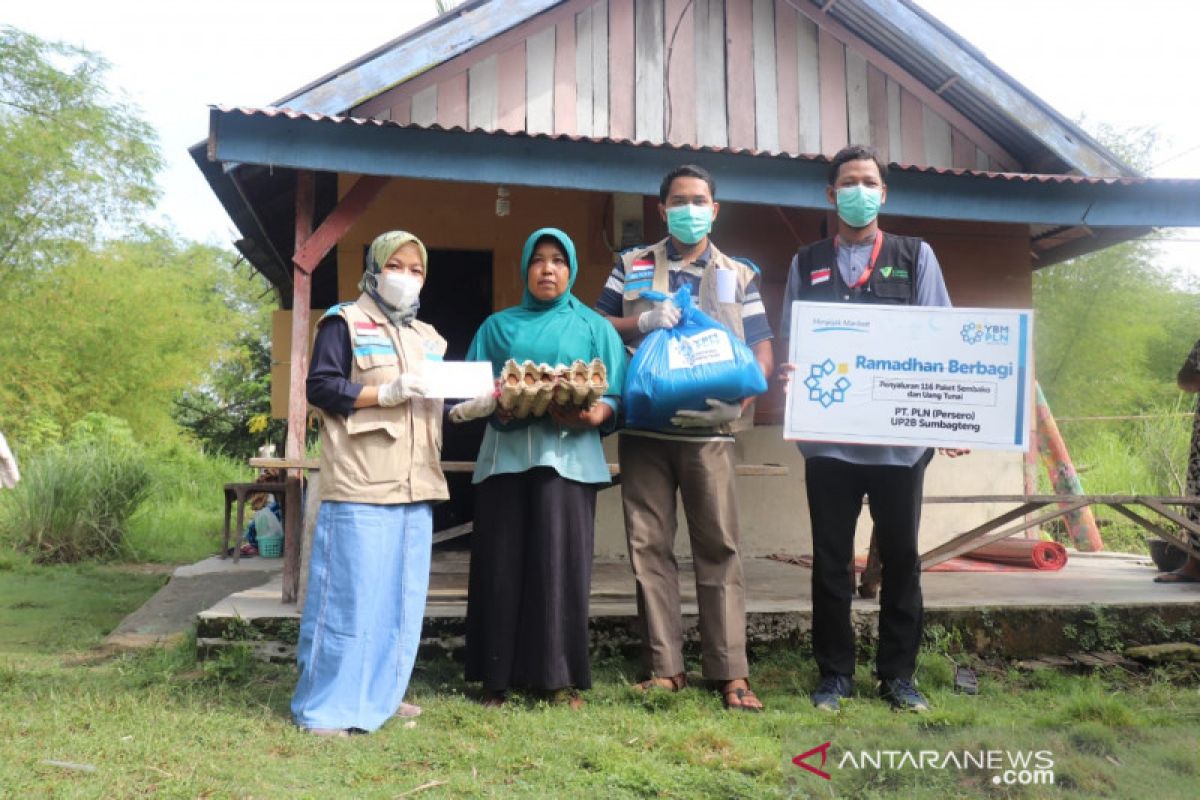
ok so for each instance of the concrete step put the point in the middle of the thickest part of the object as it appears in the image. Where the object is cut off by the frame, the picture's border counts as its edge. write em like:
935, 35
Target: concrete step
1097, 603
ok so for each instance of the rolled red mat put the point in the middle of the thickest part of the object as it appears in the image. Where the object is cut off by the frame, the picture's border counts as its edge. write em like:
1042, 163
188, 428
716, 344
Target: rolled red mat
1023, 553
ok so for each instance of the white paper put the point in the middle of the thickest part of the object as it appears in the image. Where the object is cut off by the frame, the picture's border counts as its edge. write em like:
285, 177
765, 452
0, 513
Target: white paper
9, 474
910, 375
458, 379
726, 285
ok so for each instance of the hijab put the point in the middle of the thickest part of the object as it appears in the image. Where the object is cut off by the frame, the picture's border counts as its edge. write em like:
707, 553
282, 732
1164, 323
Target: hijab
554, 331
383, 248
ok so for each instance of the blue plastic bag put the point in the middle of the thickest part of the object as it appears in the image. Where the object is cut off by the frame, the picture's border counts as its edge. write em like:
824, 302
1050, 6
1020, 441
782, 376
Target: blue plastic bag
679, 368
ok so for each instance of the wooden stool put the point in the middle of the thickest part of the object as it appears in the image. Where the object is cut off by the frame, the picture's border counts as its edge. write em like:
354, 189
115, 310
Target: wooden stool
240, 492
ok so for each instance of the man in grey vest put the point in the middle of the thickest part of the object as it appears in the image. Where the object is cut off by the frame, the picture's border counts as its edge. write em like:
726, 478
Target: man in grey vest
695, 456
863, 265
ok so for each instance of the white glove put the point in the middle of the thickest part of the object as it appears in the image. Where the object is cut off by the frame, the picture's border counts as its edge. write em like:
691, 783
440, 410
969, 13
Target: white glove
473, 409
663, 315
718, 414
9, 474
406, 387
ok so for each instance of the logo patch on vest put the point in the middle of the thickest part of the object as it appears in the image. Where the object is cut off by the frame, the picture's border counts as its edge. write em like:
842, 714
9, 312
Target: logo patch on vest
640, 276
900, 274
819, 276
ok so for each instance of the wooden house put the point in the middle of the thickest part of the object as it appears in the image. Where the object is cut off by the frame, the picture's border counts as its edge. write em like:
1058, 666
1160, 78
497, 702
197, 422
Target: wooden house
503, 116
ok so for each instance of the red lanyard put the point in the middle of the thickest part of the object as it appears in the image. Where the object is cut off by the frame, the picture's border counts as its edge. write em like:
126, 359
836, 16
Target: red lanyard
866, 276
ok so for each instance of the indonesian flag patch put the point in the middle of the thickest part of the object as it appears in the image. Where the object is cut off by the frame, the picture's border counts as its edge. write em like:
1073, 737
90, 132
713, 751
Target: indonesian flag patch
819, 275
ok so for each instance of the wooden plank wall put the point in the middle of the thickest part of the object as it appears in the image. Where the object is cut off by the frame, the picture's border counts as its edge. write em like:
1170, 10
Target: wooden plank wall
755, 74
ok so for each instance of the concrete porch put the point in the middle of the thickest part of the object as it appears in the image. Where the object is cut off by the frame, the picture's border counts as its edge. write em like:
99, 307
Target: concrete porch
1015, 614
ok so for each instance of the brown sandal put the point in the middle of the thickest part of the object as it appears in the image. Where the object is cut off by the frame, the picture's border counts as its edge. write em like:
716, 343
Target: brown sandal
672, 683
742, 694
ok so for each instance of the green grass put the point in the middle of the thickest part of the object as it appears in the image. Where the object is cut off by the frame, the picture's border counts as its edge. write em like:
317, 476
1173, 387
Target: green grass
47, 610
159, 723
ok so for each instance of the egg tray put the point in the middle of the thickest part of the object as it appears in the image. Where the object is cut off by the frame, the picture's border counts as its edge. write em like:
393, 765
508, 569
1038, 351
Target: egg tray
527, 389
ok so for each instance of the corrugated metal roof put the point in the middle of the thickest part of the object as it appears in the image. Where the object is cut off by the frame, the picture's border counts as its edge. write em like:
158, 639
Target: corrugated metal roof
877, 22
332, 119
458, 30
441, 20
1032, 132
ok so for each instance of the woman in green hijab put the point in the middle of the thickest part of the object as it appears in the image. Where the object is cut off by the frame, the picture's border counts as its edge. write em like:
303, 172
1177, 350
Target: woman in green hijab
380, 476
536, 483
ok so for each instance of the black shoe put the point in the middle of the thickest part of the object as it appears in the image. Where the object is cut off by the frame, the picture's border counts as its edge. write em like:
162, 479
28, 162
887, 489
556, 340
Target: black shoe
903, 695
831, 690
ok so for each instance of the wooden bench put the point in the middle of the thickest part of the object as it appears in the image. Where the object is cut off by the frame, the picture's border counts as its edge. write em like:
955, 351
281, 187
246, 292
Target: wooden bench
1035, 507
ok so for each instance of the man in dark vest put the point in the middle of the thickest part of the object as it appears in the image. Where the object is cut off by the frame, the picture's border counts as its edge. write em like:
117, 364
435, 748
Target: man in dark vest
863, 265
694, 456
1189, 381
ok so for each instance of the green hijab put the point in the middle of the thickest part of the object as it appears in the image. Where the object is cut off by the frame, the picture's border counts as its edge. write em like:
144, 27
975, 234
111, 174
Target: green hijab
554, 332
383, 248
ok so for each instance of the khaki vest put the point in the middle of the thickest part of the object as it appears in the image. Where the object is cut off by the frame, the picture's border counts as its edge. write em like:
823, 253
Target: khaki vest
378, 455
642, 260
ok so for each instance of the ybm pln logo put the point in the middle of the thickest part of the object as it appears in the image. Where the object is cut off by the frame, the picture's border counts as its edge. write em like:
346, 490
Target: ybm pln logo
827, 382
982, 333
708, 347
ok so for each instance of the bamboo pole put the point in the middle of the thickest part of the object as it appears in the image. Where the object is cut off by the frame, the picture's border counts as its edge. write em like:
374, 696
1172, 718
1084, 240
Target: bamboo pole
1081, 523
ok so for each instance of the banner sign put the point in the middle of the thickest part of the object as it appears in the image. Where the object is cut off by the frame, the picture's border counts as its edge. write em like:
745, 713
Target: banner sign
910, 375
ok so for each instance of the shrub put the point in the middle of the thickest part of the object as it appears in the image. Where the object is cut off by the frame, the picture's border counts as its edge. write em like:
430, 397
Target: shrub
1146, 454
74, 502
182, 520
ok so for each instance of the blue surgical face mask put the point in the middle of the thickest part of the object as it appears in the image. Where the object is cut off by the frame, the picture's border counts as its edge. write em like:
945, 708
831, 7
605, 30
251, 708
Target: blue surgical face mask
858, 206
689, 224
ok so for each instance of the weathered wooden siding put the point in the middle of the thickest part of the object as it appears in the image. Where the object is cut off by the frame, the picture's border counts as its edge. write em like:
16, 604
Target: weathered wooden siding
756, 74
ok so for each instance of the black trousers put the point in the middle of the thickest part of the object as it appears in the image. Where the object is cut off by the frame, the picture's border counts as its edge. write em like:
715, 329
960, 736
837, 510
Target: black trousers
530, 581
835, 494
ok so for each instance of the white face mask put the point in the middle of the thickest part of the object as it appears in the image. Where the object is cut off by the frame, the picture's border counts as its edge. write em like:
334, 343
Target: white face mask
399, 289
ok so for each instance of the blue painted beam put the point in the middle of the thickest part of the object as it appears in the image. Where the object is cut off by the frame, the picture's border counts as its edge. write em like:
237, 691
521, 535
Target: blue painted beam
478, 157
462, 30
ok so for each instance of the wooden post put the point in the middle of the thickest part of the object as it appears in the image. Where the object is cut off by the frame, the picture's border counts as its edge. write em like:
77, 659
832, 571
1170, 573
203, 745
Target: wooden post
1030, 469
293, 530
1031, 459
297, 403
301, 302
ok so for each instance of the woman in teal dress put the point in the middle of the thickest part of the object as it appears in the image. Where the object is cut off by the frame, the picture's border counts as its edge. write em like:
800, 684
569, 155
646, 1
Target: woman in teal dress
535, 495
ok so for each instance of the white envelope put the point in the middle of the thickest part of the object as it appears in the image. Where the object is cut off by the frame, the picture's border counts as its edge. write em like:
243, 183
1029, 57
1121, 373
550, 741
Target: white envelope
458, 379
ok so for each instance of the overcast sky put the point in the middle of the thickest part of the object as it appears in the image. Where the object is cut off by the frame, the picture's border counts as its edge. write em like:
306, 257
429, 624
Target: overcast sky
1127, 64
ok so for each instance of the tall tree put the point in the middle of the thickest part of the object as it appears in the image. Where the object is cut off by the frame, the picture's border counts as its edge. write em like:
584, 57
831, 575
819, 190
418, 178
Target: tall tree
230, 412
98, 312
76, 161
122, 330
1113, 326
